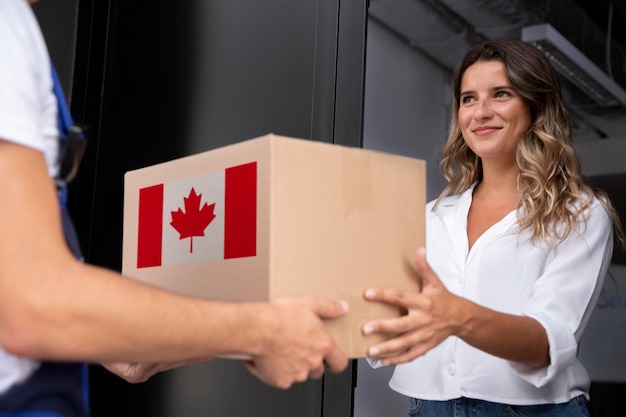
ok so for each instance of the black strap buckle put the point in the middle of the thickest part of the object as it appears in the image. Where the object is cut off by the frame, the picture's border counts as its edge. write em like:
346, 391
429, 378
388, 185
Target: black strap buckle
70, 154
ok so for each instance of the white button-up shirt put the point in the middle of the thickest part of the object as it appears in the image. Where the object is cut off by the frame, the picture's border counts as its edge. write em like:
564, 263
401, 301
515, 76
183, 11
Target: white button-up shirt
505, 272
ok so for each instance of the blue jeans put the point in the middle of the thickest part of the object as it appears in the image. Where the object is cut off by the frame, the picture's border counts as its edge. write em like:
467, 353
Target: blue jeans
467, 407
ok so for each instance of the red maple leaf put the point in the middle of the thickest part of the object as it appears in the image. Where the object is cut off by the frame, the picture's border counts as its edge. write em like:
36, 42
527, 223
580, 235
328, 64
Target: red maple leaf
194, 219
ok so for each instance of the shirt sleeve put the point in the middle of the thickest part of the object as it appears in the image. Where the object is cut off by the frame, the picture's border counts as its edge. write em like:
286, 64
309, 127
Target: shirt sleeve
28, 109
565, 295
18, 91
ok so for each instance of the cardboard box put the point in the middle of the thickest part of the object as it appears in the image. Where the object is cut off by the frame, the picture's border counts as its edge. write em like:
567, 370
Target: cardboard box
277, 216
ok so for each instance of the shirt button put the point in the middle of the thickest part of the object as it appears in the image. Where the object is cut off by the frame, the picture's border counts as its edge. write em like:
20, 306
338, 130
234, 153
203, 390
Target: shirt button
451, 369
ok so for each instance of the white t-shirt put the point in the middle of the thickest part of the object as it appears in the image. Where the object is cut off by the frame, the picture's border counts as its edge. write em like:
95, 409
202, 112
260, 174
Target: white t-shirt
28, 116
28, 108
505, 272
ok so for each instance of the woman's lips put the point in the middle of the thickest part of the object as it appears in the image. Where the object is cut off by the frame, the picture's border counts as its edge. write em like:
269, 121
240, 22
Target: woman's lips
485, 130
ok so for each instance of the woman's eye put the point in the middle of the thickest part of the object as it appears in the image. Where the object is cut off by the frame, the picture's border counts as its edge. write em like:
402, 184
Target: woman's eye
502, 93
467, 99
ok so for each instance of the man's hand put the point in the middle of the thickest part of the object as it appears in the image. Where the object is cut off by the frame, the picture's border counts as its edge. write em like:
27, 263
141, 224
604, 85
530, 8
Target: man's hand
297, 344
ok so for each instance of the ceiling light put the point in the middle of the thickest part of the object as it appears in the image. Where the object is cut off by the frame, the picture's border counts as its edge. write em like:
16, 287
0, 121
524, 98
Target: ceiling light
574, 65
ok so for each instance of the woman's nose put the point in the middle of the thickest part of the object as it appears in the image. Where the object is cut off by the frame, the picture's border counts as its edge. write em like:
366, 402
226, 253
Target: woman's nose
483, 110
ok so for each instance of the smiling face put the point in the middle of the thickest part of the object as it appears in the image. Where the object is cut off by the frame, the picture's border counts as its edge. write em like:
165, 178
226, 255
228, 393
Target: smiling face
491, 115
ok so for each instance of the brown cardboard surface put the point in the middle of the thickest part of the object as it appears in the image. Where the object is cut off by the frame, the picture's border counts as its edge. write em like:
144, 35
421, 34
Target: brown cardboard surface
331, 222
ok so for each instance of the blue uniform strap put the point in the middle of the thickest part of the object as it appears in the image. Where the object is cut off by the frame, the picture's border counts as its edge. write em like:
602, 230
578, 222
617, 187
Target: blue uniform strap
64, 123
64, 117
72, 140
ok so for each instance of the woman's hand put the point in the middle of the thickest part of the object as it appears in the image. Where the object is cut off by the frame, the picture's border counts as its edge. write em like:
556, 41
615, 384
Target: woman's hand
432, 316
435, 314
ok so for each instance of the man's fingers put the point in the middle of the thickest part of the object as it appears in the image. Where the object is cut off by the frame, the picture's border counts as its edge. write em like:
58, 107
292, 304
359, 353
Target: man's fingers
317, 373
336, 361
329, 309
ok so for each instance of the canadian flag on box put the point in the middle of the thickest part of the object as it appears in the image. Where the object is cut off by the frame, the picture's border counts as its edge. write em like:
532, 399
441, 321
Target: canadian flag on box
205, 217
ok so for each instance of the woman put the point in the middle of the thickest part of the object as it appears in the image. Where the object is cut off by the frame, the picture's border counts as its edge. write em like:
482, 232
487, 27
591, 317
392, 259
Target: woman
517, 255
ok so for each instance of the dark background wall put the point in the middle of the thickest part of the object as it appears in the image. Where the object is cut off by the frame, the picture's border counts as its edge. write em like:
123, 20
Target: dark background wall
58, 20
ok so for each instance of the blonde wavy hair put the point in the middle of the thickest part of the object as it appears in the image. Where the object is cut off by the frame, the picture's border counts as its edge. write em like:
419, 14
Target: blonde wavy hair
555, 196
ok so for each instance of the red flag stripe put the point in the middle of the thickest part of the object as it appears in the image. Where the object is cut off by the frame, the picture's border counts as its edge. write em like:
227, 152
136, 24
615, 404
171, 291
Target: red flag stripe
150, 226
240, 211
